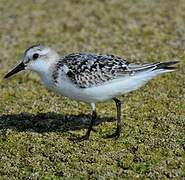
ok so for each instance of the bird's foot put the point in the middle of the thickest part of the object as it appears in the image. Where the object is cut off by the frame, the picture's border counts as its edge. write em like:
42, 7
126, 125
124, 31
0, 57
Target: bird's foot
94, 130
80, 139
115, 135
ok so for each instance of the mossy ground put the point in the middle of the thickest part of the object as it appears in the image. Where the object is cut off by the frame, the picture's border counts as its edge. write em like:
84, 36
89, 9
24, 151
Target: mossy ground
35, 125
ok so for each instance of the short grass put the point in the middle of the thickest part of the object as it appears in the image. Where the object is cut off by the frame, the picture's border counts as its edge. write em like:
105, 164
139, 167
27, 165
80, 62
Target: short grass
35, 125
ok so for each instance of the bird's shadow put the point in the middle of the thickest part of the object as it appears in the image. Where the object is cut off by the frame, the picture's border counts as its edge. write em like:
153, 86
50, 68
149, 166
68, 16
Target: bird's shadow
47, 122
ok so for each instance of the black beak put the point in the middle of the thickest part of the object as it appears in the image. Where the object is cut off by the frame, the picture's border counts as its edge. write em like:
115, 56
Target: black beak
18, 68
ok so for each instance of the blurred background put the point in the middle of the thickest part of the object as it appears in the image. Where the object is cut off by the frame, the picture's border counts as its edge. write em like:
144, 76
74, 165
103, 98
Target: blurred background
143, 30
33, 135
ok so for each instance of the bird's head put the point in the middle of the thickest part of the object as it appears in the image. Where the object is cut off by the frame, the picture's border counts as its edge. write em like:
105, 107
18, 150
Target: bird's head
37, 58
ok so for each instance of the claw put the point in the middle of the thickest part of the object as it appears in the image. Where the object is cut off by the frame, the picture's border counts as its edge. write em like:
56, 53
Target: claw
80, 139
115, 135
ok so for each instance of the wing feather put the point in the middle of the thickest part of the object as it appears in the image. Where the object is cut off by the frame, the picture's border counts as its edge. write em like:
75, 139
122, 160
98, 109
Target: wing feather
87, 70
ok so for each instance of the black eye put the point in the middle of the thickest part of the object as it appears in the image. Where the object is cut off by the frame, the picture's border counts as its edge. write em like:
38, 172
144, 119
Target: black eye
35, 56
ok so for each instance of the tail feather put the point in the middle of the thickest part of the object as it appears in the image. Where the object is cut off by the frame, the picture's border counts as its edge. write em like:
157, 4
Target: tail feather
166, 65
153, 67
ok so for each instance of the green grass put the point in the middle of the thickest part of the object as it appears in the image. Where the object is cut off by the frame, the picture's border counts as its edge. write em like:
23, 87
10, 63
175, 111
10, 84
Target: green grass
35, 125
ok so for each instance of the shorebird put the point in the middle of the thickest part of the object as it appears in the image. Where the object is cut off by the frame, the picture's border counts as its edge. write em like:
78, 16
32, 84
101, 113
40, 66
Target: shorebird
89, 77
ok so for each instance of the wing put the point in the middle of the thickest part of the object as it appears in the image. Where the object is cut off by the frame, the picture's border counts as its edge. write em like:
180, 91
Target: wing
87, 70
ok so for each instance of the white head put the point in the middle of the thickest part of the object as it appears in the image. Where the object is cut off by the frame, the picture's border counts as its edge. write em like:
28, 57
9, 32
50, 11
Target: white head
37, 58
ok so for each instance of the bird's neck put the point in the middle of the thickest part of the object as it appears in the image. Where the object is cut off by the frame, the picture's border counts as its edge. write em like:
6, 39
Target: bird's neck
46, 76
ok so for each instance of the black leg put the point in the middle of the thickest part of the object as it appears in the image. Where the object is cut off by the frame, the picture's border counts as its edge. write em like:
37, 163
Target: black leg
116, 134
93, 120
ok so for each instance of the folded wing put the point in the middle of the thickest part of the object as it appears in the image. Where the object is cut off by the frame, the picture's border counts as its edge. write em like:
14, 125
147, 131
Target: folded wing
87, 70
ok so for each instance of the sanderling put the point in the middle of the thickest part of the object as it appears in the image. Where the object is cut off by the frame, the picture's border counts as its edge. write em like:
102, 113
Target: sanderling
89, 77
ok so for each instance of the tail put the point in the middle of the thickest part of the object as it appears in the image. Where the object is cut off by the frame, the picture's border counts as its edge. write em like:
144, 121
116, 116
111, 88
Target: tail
165, 66
141, 74
157, 67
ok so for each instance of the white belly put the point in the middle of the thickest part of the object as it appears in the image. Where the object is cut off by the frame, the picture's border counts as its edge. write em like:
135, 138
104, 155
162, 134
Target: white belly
102, 92
105, 91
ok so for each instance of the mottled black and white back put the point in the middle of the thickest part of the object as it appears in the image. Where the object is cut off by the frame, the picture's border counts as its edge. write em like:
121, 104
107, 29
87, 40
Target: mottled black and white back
87, 70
